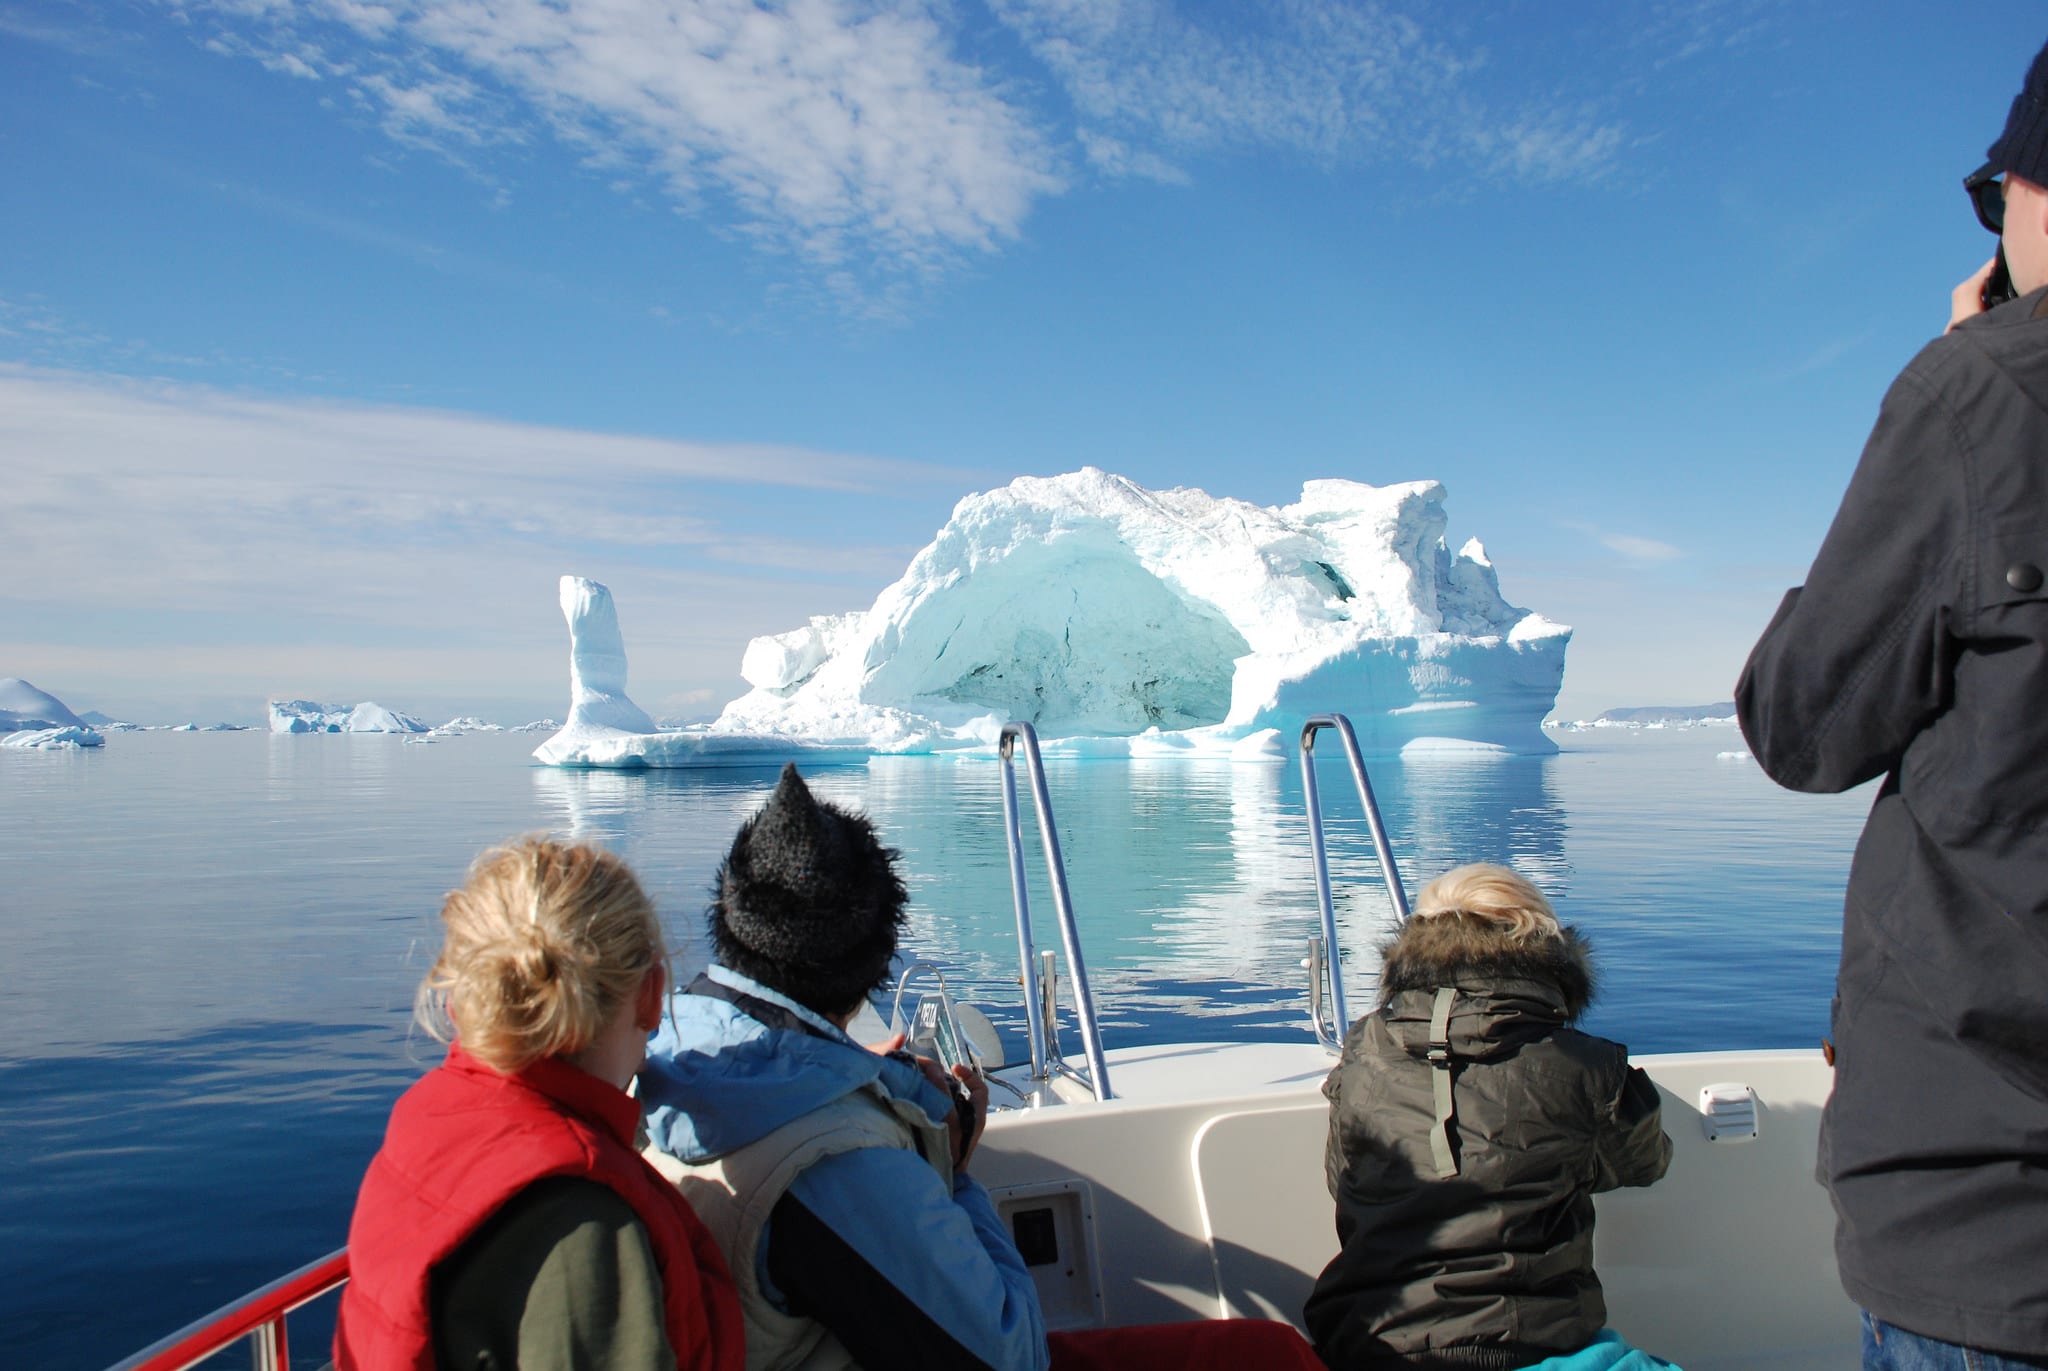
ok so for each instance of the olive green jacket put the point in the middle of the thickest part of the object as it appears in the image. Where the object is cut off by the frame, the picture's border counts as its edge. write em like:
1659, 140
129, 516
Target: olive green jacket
1464, 1184
563, 1278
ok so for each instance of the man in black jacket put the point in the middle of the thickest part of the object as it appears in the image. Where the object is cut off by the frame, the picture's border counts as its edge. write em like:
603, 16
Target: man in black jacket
1918, 651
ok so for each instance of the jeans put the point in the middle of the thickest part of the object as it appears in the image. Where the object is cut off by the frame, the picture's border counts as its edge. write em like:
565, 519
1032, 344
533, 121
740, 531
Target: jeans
1889, 1348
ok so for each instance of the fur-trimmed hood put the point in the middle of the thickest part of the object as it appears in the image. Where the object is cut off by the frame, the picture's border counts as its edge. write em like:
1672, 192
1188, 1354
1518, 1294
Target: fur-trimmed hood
1465, 950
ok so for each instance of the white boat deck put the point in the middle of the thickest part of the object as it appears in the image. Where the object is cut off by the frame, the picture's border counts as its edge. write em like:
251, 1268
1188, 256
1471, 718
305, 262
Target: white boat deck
1199, 1193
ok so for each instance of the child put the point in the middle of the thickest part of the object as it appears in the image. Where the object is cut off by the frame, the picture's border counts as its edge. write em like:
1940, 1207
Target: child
1470, 1127
507, 1220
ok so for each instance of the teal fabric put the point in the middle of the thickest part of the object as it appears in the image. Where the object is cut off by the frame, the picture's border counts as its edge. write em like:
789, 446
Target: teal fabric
1607, 1352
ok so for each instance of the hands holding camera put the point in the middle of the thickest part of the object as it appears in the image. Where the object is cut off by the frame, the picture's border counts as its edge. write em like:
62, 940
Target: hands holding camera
969, 1091
1967, 301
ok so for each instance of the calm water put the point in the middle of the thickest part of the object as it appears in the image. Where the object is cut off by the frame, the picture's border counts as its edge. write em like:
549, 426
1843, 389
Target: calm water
211, 943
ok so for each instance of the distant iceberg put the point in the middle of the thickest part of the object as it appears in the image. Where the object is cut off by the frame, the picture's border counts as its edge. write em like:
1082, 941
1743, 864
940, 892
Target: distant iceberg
310, 716
71, 736
1125, 621
23, 707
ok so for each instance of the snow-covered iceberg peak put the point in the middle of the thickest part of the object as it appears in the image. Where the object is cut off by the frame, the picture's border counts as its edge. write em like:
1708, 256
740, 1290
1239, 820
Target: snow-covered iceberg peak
1093, 606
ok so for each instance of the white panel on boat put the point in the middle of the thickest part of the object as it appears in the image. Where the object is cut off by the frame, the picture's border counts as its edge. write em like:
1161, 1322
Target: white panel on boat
1271, 1223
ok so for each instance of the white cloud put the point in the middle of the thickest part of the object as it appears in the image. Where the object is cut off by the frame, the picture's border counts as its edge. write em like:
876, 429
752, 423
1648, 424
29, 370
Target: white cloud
267, 519
1336, 82
831, 126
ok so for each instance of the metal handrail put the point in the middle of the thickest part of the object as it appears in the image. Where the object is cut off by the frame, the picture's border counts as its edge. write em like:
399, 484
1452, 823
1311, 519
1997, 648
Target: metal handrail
1333, 959
258, 1316
1044, 1059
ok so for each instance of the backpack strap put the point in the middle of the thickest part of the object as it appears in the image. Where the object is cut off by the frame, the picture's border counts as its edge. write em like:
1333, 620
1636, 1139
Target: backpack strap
1441, 1135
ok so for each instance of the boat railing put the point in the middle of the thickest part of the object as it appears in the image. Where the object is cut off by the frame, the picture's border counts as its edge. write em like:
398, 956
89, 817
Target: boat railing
1327, 1009
1037, 974
258, 1316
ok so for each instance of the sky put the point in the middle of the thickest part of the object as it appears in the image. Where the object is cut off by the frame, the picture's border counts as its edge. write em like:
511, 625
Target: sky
333, 332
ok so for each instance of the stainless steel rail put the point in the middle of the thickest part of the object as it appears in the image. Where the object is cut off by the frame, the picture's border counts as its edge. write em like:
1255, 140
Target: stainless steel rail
258, 1316
1330, 963
1045, 1056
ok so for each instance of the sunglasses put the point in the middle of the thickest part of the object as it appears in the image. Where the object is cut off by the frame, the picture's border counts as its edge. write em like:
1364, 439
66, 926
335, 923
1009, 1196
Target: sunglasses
1987, 196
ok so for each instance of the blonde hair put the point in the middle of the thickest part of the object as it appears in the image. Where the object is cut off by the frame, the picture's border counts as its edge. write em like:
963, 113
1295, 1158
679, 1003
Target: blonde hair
1493, 893
543, 944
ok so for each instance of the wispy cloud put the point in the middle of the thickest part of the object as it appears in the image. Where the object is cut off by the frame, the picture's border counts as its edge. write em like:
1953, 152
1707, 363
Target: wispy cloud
1335, 82
1633, 546
832, 127
1639, 549
885, 136
1822, 357
171, 497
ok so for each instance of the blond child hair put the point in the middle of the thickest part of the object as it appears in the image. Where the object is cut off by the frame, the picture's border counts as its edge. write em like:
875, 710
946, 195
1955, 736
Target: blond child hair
542, 945
1494, 893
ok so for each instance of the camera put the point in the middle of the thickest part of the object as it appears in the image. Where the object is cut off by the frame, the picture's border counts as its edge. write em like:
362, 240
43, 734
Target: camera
1998, 286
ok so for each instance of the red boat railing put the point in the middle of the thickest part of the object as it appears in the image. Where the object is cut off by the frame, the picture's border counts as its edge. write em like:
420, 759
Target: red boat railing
258, 1316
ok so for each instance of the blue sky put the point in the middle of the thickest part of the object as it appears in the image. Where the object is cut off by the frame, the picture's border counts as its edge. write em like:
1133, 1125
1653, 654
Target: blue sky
331, 333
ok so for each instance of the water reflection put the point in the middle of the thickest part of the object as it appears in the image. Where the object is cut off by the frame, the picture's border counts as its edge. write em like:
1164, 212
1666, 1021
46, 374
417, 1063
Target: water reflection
1188, 873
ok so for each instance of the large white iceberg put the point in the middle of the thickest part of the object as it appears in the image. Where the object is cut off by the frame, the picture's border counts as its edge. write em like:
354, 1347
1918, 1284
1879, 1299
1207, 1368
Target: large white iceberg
1125, 621
23, 707
1094, 607
310, 716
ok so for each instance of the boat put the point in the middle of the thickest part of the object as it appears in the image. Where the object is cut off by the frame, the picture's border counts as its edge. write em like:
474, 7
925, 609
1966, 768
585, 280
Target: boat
1185, 1181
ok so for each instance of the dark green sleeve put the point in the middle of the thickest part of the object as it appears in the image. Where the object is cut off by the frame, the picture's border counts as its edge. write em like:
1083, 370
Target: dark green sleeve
562, 1278
1633, 1149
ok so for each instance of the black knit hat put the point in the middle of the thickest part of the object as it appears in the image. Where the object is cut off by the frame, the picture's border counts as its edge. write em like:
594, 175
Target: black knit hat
2023, 148
808, 900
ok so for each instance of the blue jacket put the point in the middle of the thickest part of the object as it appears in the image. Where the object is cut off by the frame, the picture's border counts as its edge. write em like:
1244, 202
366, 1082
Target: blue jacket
871, 1243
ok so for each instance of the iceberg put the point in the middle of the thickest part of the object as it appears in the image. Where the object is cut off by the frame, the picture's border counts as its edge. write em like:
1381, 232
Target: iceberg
24, 708
606, 729
70, 737
1096, 608
310, 716
466, 723
1124, 622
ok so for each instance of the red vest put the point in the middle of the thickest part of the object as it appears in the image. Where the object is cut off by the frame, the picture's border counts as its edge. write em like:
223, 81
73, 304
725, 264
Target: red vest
464, 1140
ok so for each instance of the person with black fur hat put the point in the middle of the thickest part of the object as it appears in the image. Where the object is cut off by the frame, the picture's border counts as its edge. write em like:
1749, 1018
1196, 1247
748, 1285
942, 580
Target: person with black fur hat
833, 1177
1917, 651
1470, 1127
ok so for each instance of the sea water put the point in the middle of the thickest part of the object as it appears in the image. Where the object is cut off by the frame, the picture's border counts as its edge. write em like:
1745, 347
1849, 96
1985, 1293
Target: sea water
211, 943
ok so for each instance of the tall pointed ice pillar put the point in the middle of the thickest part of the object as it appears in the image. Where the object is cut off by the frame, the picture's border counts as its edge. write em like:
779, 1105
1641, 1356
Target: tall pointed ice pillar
598, 703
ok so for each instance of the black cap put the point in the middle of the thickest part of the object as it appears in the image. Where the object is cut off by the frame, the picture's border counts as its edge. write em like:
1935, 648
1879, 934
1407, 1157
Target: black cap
808, 900
2023, 148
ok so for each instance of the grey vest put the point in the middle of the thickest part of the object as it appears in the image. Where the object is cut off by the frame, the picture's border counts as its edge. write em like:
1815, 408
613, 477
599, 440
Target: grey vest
736, 1193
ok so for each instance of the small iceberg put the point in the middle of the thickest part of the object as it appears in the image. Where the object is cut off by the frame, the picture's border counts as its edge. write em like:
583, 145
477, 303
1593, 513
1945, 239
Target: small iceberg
71, 737
310, 716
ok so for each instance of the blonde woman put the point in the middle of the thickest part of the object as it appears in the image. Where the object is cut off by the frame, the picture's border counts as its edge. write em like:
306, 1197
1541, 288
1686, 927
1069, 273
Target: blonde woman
1470, 1127
508, 1220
